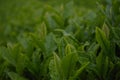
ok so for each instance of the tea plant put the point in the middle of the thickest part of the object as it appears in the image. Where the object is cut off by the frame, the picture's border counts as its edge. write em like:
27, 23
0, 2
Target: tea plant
63, 43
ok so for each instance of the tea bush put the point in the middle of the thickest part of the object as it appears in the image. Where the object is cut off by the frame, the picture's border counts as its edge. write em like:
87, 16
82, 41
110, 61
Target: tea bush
40, 40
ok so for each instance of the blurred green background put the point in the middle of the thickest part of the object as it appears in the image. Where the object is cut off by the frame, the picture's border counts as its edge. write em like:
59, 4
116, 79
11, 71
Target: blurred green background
20, 16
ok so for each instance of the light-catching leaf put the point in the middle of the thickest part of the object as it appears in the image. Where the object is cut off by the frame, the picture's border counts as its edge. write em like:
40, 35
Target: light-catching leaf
103, 41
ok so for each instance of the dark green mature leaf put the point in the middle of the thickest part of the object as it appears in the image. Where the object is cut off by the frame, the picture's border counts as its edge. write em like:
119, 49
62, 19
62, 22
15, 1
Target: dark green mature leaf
21, 63
5, 53
102, 66
79, 71
116, 33
59, 20
68, 63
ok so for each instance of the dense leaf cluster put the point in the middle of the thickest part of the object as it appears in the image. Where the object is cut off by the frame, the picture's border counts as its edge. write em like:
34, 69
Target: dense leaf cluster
64, 42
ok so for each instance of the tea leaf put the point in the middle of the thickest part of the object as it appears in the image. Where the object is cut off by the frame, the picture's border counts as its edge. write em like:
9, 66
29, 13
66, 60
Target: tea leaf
79, 71
15, 76
103, 41
67, 64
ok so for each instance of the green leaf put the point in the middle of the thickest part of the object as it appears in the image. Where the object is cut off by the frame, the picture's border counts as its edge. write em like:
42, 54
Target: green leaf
59, 20
61, 47
53, 72
106, 68
79, 71
15, 76
102, 65
68, 64
21, 63
49, 44
50, 22
58, 68
6, 54
68, 49
116, 35
34, 63
103, 41
106, 30
42, 31
68, 9
99, 63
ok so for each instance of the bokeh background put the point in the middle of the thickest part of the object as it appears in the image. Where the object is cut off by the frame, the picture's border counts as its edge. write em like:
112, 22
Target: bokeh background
20, 16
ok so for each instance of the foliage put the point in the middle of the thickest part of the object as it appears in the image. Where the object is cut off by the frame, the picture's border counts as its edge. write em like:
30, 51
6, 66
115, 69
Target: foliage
40, 40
